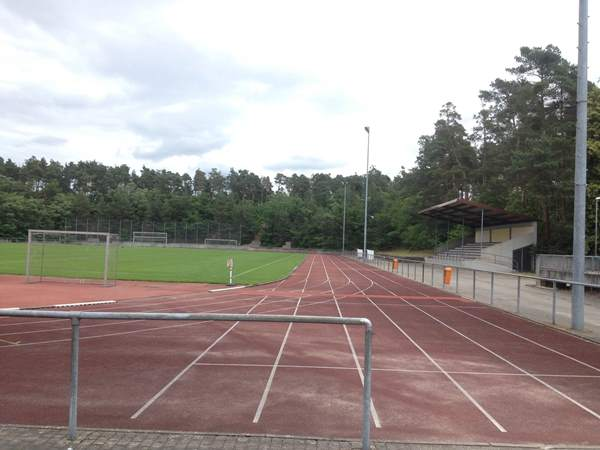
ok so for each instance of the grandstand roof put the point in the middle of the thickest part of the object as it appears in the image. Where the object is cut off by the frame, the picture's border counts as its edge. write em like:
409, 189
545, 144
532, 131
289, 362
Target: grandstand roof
460, 209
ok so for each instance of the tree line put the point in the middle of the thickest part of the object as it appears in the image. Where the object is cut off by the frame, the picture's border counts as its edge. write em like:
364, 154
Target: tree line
519, 156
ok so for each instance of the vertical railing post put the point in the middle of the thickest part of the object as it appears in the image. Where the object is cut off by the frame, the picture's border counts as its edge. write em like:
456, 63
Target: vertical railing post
492, 289
554, 302
457, 269
366, 425
474, 278
74, 378
28, 257
432, 274
518, 294
423, 273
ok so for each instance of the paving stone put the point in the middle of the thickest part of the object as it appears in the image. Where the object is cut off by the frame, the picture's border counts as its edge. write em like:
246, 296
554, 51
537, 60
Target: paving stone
13, 437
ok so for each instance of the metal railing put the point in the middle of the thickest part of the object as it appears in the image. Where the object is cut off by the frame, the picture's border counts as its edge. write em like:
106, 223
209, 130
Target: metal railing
493, 258
76, 318
432, 272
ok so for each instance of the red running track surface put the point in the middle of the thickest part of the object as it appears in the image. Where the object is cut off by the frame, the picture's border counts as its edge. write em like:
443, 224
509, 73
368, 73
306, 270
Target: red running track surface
445, 368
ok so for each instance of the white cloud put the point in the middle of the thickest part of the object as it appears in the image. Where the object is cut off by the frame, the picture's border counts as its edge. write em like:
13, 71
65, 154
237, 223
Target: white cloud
257, 84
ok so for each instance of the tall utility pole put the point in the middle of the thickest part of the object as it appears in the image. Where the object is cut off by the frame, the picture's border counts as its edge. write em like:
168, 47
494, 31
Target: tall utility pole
344, 221
596, 229
578, 291
368, 130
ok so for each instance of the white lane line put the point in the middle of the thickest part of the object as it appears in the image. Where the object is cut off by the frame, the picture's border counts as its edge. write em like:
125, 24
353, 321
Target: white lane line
489, 323
376, 420
523, 337
507, 361
10, 342
263, 399
117, 322
456, 384
483, 347
70, 305
189, 366
231, 288
53, 341
381, 369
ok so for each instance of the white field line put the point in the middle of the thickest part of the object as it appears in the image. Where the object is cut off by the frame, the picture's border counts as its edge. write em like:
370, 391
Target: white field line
434, 372
189, 366
492, 324
376, 420
510, 363
456, 384
236, 275
265, 394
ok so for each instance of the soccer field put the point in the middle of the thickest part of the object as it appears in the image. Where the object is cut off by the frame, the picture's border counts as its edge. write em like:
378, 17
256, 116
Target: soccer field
158, 263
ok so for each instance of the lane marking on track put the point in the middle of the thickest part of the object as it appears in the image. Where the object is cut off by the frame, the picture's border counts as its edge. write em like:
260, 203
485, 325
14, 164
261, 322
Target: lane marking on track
381, 369
10, 342
228, 288
189, 366
376, 420
265, 394
524, 338
144, 330
456, 384
437, 299
507, 361
179, 302
115, 322
70, 305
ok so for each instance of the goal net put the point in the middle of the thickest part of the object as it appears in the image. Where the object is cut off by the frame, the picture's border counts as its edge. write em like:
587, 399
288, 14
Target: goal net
149, 238
87, 257
220, 242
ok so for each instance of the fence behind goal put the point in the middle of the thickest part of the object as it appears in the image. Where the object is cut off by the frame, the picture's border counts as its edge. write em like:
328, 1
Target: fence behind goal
87, 257
221, 242
150, 238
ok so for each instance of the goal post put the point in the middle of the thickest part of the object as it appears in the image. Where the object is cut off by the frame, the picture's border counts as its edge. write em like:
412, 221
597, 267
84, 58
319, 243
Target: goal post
150, 237
221, 242
88, 257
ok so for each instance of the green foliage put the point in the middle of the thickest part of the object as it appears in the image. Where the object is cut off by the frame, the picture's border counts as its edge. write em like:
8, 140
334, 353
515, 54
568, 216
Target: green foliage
520, 157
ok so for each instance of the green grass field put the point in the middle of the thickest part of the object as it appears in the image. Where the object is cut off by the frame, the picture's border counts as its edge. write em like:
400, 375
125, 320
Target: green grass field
153, 263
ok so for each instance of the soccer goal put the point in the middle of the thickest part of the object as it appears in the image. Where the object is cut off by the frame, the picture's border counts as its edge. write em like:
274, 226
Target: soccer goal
87, 257
150, 238
220, 242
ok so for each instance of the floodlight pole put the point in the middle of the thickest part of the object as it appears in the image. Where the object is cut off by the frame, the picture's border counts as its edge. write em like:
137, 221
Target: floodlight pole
577, 300
344, 221
368, 130
596, 229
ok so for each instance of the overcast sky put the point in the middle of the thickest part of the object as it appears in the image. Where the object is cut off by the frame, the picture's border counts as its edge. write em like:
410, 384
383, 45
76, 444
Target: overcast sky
269, 86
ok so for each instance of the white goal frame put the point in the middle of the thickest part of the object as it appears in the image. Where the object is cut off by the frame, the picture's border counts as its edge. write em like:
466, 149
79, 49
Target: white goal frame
210, 242
150, 237
109, 239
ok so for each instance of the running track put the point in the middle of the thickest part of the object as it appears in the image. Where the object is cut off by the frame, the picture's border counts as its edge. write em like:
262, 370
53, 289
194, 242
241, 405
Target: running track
445, 368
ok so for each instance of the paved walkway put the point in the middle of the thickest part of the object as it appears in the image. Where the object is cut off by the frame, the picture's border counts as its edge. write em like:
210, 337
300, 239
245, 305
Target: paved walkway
14, 437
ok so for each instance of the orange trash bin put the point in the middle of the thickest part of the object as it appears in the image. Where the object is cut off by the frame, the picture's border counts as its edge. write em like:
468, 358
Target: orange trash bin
395, 265
447, 275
